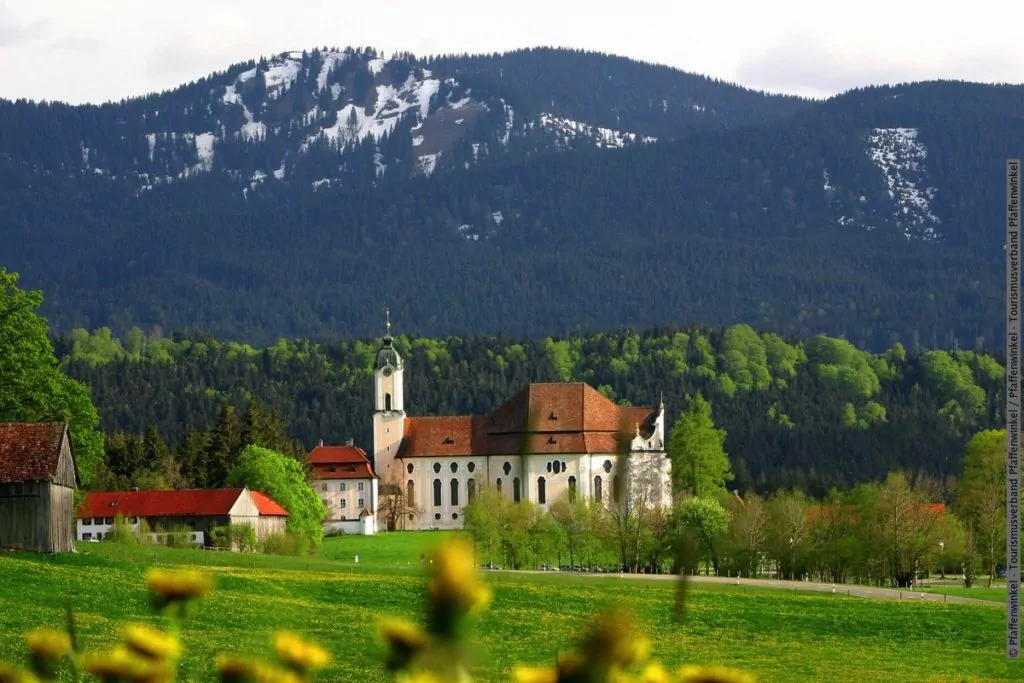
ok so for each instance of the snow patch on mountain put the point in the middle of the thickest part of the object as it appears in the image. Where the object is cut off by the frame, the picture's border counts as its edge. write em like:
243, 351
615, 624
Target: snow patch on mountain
569, 130
354, 124
278, 77
901, 158
204, 149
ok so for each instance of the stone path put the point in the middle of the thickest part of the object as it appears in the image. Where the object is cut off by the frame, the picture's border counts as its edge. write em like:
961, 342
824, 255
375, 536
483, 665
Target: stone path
847, 589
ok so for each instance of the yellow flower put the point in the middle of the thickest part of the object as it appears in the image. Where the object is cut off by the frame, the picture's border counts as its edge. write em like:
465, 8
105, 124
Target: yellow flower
179, 585
713, 674
151, 643
49, 643
404, 641
454, 574
535, 675
615, 638
298, 654
11, 675
238, 670
121, 664
655, 673
569, 662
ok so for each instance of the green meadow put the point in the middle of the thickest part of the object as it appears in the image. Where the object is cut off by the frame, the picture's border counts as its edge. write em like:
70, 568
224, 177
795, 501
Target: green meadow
778, 635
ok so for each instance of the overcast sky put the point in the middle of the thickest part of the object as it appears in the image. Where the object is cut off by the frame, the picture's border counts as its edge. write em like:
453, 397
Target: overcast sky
97, 50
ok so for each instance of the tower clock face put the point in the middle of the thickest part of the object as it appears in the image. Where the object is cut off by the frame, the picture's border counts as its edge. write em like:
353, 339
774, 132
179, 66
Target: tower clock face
387, 372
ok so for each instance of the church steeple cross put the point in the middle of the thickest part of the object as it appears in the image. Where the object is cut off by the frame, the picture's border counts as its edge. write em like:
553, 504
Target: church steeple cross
387, 320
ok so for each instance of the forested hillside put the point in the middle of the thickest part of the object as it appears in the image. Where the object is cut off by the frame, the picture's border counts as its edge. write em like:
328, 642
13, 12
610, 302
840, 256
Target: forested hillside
813, 414
534, 193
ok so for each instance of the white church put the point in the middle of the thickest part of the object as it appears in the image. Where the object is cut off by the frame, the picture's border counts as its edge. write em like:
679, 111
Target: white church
547, 440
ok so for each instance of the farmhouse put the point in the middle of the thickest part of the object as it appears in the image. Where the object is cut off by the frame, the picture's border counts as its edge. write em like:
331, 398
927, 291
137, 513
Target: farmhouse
344, 478
549, 440
38, 479
198, 511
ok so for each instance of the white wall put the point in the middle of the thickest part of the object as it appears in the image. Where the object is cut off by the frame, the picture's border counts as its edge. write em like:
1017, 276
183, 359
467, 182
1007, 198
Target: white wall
346, 503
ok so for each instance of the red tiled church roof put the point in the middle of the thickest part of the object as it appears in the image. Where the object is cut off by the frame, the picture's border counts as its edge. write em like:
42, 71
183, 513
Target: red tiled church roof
334, 455
340, 462
190, 503
557, 417
30, 451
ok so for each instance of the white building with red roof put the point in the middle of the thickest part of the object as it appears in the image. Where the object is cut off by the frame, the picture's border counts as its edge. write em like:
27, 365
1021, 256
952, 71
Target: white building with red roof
344, 478
549, 440
198, 510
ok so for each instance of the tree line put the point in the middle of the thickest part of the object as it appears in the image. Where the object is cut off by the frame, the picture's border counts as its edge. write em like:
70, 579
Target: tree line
810, 414
889, 532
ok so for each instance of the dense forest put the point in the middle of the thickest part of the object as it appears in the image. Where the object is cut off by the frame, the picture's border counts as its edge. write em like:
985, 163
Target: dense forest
813, 414
874, 216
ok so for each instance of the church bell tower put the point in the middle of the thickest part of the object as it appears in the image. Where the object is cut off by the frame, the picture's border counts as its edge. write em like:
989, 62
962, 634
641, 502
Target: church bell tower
389, 408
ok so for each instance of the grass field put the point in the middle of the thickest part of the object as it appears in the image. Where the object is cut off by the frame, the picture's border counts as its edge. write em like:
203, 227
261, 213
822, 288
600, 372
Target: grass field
777, 635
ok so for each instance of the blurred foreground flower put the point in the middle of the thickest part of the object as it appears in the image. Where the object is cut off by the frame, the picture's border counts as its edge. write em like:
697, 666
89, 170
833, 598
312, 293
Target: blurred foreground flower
9, 674
173, 591
48, 648
298, 655
121, 665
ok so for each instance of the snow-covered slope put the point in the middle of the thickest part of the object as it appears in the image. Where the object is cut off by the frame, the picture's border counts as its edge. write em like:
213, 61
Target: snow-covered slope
331, 118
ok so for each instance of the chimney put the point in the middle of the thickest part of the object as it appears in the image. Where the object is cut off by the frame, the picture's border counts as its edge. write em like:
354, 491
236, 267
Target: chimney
349, 442
321, 442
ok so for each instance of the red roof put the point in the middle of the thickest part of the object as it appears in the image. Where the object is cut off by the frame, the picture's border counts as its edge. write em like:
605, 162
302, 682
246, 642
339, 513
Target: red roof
335, 455
30, 451
267, 506
557, 417
351, 471
190, 503
340, 462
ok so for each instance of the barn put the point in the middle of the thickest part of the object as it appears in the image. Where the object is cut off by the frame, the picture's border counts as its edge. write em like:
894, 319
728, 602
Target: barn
38, 479
195, 510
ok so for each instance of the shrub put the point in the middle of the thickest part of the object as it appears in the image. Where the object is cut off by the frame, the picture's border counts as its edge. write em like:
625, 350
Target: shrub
122, 532
287, 544
436, 651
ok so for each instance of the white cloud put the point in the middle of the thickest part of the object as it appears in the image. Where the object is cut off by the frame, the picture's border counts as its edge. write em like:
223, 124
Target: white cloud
108, 49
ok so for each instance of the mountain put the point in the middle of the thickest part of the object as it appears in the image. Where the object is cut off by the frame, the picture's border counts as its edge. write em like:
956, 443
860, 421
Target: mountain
534, 193
350, 116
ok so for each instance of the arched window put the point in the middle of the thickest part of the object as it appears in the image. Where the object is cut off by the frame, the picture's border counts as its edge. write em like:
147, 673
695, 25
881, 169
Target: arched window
387, 401
455, 491
516, 490
616, 489
410, 493
470, 490
572, 489
437, 493
541, 493
506, 468
498, 485
597, 488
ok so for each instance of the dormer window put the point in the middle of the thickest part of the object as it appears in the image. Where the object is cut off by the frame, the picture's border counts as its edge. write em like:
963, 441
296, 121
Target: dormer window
551, 439
552, 416
448, 441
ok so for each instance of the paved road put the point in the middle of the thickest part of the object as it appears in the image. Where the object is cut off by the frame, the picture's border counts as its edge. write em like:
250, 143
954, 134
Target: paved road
852, 590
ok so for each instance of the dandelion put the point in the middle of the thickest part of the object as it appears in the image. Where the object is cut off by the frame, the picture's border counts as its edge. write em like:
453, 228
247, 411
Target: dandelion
48, 646
714, 674
121, 665
174, 591
404, 639
655, 673
298, 654
454, 577
152, 644
535, 675
49, 643
231, 669
11, 675
179, 585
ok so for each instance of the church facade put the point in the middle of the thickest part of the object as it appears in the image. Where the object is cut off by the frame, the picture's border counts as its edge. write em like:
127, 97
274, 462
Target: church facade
549, 440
